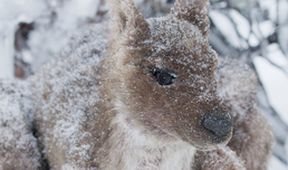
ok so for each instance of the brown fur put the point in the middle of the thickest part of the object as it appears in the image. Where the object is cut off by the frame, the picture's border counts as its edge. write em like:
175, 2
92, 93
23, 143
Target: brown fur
252, 137
144, 96
121, 85
221, 158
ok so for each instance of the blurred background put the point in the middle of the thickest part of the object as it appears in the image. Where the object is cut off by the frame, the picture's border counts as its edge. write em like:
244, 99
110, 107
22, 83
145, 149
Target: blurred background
32, 32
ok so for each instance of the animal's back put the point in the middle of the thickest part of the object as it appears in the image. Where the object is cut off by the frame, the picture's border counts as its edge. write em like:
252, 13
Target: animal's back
18, 146
252, 135
65, 95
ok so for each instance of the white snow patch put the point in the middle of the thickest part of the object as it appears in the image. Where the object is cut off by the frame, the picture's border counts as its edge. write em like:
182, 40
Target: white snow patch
275, 83
276, 164
242, 23
243, 4
264, 29
15, 11
6, 52
11, 13
275, 54
283, 38
271, 7
286, 149
72, 16
244, 27
74, 10
227, 28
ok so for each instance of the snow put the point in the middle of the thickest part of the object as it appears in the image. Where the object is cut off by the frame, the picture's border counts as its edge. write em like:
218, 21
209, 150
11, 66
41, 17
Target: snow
243, 4
275, 83
283, 38
244, 27
274, 53
219, 19
253, 34
275, 164
23, 11
264, 29
17, 11
270, 5
72, 11
286, 148
6, 53
242, 23
71, 15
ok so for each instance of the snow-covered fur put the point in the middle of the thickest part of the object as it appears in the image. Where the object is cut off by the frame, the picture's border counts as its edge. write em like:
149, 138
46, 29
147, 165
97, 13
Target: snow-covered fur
18, 146
143, 95
250, 145
252, 137
111, 108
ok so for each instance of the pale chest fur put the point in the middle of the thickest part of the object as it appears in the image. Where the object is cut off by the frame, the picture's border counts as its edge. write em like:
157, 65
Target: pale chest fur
134, 149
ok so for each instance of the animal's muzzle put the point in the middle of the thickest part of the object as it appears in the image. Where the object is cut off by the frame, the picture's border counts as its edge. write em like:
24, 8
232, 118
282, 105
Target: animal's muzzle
219, 126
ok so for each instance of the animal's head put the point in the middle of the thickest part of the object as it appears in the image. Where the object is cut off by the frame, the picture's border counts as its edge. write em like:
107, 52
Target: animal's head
164, 71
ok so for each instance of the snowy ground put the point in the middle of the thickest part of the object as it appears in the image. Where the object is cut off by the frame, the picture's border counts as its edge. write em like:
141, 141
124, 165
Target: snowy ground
56, 20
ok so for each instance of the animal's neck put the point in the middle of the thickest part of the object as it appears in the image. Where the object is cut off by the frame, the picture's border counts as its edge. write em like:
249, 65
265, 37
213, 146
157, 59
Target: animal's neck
130, 148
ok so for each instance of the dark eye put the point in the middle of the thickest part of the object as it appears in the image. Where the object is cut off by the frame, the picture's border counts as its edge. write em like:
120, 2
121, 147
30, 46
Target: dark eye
163, 77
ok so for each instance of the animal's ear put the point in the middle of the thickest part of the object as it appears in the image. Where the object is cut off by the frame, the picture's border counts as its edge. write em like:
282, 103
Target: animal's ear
127, 20
193, 11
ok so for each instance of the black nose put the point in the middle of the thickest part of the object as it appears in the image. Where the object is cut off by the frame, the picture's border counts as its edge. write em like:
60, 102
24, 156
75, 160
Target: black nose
220, 126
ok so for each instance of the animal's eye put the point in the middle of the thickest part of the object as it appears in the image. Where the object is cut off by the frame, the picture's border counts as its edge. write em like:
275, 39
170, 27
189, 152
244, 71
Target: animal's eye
163, 77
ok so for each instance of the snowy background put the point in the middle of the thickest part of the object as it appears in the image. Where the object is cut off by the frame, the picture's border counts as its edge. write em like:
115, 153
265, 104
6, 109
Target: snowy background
32, 32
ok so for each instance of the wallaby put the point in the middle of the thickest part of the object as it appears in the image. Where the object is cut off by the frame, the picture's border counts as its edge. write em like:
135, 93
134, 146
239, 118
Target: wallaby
143, 96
